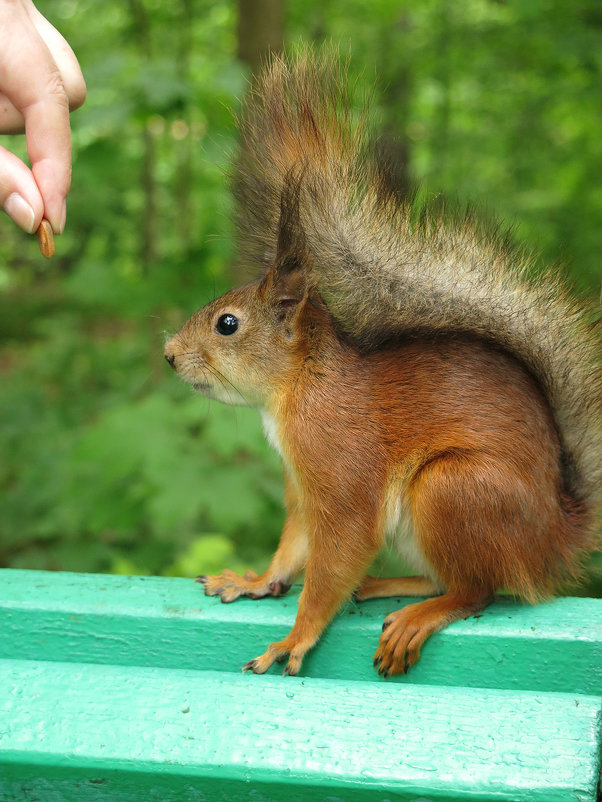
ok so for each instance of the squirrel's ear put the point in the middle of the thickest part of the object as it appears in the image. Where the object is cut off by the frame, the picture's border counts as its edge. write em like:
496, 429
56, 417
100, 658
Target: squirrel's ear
289, 273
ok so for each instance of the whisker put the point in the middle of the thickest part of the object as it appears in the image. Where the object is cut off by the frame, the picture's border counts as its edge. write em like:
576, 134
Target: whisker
199, 364
222, 378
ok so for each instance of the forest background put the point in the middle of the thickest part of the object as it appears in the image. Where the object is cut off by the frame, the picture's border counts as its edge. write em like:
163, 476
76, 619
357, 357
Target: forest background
107, 461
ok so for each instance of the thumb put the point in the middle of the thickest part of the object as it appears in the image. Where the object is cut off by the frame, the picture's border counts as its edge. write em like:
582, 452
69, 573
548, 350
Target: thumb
19, 195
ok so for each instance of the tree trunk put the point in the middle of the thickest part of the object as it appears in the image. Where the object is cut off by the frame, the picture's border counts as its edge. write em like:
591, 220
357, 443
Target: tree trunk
440, 141
148, 226
260, 31
393, 147
184, 147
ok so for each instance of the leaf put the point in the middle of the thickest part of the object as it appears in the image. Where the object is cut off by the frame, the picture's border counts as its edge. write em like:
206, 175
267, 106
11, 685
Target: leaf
206, 554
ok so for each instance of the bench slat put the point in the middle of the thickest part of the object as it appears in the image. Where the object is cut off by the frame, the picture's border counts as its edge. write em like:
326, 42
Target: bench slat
76, 732
169, 623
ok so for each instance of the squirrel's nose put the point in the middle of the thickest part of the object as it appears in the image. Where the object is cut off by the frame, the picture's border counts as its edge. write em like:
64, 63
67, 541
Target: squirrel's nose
170, 357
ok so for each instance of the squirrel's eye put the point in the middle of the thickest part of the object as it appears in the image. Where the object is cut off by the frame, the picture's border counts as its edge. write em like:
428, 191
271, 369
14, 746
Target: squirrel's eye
227, 324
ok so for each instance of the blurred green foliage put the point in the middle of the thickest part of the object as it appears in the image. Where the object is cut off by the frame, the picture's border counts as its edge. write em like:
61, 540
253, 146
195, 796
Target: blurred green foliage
107, 462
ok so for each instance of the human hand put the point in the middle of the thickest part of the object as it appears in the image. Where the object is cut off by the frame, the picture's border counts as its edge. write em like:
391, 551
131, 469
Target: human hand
40, 82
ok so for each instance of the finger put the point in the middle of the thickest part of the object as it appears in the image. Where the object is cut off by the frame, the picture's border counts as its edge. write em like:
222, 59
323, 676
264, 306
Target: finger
11, 119
19, 194
49, 149
63, 56
43, 101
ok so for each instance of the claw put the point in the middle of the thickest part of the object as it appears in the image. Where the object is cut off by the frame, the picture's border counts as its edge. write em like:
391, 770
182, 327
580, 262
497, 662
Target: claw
278, 588
250, 666
202, 579
290, 670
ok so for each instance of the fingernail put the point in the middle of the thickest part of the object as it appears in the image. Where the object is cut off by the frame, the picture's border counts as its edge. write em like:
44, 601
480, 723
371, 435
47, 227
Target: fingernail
63, 218
20, 211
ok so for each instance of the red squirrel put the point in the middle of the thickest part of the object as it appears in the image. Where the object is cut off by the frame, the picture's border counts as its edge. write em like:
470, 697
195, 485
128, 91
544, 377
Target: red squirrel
418, 386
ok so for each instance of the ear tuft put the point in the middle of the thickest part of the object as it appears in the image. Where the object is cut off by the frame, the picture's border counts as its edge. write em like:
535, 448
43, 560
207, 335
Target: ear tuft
291, 263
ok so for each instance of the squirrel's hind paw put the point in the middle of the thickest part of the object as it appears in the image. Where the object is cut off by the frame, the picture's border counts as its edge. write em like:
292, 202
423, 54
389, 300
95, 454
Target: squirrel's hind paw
405, 630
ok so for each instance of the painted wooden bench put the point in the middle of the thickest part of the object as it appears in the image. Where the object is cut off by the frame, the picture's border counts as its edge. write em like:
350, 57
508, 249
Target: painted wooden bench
129, 688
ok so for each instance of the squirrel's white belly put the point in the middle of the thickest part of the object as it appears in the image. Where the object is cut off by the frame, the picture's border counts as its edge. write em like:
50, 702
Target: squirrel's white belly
399, 531
271, 431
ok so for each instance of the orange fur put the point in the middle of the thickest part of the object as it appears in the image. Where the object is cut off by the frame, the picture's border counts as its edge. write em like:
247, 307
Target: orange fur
453, 427
373, 587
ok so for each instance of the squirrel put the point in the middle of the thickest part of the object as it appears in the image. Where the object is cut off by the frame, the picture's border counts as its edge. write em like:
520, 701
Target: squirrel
418, 384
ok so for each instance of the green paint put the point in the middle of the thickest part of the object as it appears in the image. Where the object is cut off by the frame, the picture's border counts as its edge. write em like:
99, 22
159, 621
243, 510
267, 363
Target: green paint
129, 689
170, 623
326, 737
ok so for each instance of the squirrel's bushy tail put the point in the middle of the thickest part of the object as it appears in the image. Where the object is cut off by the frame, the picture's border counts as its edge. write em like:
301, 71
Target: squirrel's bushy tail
382, 272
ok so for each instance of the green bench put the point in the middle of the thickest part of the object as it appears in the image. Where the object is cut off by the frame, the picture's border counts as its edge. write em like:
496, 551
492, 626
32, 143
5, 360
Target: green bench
129, 688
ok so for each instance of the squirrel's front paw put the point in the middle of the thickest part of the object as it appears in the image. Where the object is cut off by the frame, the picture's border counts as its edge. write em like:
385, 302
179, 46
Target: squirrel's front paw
230, 585
277, 652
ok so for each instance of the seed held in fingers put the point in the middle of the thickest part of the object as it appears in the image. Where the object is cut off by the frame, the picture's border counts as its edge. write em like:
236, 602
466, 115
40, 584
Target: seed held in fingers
45, 239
